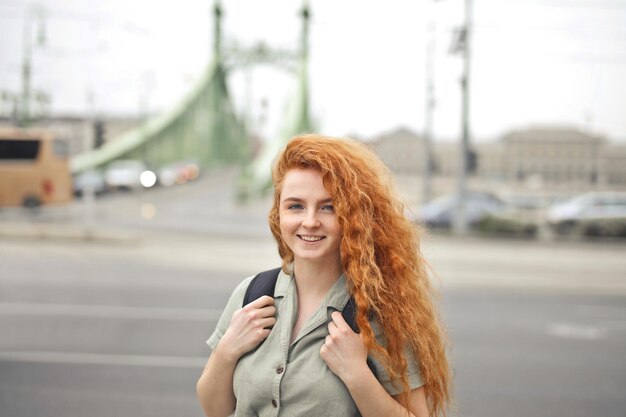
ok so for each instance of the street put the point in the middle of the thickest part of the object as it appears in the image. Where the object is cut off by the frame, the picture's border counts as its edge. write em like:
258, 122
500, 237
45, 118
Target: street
117, 327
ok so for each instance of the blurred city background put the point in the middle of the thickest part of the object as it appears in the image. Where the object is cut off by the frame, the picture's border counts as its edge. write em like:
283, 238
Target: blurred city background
136, 141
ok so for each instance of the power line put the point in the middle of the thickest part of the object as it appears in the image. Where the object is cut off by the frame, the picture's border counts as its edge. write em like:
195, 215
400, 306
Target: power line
571, 29
92, 18
573, 59
570, 4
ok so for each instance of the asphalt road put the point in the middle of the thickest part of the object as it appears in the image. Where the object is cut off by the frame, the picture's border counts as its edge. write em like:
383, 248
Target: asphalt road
116, 327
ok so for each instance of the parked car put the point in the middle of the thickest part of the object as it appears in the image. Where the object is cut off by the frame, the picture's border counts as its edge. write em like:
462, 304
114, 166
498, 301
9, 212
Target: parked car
178, 173
440, 212
124, 174
93, 179
590, 210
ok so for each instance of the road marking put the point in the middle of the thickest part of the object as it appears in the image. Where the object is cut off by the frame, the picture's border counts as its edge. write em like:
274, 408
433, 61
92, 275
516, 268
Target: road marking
77, 358
108, 311
576, 331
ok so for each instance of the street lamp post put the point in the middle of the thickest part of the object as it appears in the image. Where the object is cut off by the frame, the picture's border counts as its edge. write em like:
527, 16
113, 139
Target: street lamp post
460, 224
427, 188
32, 12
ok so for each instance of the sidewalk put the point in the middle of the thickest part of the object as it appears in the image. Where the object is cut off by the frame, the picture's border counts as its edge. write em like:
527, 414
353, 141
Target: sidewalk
466, 262
59, 231
204, 207
203, 219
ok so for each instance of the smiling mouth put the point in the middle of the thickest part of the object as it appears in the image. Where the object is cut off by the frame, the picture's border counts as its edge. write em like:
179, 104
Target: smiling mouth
311, 238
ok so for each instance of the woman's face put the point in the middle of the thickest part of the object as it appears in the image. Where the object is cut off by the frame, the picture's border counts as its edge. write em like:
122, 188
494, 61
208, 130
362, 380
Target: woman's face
308, 222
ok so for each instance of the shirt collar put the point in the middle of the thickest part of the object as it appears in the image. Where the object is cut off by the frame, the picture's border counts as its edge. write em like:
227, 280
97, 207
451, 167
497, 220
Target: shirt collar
282, 284
338, 295
336, 298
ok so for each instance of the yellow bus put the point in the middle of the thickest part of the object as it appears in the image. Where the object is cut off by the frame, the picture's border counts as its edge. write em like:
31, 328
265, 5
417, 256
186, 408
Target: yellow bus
34, 169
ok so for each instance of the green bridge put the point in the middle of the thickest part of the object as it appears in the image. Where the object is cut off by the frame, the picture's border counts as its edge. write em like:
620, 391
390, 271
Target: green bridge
204, 125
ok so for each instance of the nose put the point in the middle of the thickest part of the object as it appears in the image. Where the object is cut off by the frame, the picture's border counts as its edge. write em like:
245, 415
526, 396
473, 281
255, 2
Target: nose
310, 220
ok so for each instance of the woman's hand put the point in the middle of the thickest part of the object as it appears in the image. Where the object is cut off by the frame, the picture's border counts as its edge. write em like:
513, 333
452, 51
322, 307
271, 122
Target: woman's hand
343, 350
346, 355
248, 327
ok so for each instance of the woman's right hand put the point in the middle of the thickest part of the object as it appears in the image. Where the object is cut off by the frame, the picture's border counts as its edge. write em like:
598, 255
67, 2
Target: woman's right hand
248, 327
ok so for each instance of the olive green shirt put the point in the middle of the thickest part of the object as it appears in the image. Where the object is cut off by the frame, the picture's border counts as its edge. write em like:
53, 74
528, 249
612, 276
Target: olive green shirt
279, 378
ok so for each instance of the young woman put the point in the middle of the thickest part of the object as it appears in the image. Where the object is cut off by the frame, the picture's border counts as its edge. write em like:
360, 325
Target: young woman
342, 234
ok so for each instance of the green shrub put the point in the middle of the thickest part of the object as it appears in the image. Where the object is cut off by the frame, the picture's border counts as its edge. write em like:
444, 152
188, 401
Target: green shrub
615, 228
506, 226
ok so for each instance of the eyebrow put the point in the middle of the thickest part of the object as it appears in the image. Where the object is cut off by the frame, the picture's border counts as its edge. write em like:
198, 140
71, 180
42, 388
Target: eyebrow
300, 200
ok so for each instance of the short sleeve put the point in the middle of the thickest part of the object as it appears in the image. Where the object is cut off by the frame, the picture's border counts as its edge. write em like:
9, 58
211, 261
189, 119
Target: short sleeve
234, 303
413, 368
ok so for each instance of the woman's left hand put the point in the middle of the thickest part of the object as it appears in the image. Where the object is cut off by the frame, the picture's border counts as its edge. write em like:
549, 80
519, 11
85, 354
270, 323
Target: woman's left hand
343, 350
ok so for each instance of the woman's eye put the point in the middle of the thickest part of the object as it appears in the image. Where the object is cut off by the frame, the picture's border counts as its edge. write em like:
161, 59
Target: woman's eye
328, 207
295, 207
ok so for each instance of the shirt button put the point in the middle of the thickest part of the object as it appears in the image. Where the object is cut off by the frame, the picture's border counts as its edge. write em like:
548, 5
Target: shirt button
274, 403
280, 370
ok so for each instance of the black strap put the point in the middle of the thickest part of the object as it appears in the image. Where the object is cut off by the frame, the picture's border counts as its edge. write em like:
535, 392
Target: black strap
349, 314
264, 283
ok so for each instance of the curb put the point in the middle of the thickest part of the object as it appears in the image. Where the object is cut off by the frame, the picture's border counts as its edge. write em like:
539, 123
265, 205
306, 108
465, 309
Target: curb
67, 232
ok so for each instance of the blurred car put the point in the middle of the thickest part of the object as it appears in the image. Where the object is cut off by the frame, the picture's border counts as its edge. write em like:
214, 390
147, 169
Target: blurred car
125, 174
90, 179
178, 173
589, 209
530, 202
440, 212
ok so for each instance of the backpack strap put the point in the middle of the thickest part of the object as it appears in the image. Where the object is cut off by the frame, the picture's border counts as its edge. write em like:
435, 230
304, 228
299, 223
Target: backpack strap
264, 283
349, 315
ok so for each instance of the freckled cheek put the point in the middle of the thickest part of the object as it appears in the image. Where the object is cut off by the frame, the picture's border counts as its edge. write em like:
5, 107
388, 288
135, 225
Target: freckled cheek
288, 224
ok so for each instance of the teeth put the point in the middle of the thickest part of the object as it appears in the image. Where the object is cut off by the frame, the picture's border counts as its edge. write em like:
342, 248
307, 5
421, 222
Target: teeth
311, 238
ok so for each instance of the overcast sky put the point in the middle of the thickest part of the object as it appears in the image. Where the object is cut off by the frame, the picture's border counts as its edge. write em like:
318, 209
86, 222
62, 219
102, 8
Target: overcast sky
535, 62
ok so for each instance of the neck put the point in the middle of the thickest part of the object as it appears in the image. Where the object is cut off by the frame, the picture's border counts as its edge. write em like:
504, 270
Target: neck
316, 278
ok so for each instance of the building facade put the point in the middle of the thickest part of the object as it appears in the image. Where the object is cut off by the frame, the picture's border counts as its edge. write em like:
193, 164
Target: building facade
553, 156
401, 150
548, 158
80, 132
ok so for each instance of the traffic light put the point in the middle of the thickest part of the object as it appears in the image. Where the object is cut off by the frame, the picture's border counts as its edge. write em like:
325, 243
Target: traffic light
472, 161
98, 133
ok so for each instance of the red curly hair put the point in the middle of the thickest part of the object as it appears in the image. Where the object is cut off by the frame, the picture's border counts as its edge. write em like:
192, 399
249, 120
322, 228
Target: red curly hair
380, 257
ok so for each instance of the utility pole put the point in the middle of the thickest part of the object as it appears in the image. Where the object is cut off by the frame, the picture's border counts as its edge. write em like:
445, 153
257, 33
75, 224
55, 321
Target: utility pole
304, 120
427, 189
464, 41
32, 12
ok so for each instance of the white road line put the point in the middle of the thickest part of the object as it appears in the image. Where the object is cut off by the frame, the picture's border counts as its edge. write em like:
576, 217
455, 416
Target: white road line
576, 331
108, 311
78, 358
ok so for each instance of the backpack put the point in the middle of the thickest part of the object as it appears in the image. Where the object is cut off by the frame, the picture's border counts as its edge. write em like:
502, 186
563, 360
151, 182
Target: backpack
264, 283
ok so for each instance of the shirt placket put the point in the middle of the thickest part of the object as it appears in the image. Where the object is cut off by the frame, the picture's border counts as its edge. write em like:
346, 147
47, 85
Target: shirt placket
286, 312
280, 372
